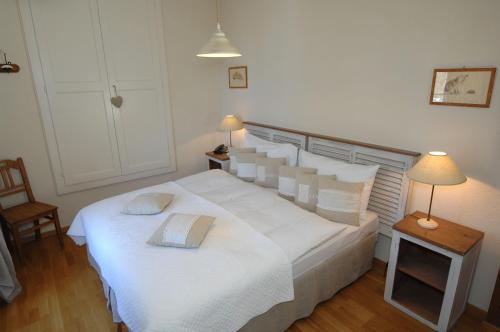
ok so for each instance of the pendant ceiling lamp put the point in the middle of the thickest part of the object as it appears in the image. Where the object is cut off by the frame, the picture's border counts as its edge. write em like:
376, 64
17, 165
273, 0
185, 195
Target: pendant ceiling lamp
218, 46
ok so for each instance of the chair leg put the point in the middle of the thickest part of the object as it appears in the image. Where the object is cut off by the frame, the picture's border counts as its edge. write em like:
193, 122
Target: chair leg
17, 242
58, 228
38, 233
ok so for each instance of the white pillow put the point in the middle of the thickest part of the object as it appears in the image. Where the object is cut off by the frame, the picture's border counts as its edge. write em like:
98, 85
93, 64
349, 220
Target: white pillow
148, 203
273, 150
324, 165
344, 172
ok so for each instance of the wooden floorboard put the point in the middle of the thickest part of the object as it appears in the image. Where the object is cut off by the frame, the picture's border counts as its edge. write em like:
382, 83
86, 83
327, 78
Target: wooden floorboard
62, 292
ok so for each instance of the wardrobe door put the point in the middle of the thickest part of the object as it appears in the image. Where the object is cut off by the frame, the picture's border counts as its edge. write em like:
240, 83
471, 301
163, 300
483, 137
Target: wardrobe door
135, 56
79, 125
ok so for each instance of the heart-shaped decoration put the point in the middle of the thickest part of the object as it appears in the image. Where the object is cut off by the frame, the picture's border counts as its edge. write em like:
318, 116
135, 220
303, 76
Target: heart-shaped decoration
117, 101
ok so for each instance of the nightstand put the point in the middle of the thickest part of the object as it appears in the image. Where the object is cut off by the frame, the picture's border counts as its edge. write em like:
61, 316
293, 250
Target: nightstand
430, 271
218, 161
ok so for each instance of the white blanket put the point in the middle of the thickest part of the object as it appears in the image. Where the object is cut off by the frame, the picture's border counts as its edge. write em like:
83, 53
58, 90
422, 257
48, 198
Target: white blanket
235, 275
295, 230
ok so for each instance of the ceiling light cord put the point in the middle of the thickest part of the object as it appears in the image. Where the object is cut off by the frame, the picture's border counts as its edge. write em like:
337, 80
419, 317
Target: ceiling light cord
217, 13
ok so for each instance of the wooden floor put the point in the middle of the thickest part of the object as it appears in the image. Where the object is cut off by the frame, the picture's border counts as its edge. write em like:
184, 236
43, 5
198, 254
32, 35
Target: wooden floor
63, 293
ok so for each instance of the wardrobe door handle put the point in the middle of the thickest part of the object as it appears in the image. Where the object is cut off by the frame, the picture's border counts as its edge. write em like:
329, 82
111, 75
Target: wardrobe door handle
117, 100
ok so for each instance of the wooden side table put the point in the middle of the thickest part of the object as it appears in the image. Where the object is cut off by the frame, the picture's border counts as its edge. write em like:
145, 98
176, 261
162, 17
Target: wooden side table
430, 271
218, 161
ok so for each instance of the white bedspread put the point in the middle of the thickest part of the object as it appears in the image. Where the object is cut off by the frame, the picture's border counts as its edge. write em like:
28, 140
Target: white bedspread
235, 275
295, 230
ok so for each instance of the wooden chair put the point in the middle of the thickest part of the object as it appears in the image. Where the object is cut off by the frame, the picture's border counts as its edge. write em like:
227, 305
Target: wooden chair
15, 217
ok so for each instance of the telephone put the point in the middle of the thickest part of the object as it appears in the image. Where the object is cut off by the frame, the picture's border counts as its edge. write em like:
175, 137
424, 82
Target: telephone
221, 149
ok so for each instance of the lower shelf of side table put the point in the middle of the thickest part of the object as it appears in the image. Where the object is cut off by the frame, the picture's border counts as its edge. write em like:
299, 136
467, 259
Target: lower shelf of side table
418, 297
425, 265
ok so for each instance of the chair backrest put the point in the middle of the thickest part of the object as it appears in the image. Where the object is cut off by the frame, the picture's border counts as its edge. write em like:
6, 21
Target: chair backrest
7, 184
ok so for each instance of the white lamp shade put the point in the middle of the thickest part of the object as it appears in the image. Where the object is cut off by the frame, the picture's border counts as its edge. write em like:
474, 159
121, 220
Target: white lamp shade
230, 123
436, 168
218, 46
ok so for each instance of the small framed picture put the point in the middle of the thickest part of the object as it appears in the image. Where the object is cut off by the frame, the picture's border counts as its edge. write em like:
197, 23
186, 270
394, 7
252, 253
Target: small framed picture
238, 77
468, 87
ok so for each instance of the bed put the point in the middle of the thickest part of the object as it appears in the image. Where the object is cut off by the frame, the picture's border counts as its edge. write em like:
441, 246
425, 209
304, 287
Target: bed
265, 264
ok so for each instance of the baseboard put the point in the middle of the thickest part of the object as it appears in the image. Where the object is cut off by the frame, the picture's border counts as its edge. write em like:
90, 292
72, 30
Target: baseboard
475, 312
488, 327
380, 267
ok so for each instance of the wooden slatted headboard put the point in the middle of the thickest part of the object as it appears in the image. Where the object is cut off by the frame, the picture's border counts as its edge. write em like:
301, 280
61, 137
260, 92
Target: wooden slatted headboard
390, 190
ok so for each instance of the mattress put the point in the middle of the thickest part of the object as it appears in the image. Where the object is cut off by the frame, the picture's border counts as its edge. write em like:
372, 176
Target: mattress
330, 248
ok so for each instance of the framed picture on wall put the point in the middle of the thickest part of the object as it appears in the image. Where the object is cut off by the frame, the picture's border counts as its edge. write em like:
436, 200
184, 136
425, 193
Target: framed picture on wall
238, 77
469, 87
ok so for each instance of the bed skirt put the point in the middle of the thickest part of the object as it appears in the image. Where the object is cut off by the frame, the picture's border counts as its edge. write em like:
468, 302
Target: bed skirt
312, 287
317, 285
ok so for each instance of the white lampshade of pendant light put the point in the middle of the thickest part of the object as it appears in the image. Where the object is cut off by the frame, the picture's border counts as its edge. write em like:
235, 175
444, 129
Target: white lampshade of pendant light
218, 46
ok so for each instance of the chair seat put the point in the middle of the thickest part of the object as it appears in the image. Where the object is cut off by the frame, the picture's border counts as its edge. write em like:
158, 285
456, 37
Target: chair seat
26, 212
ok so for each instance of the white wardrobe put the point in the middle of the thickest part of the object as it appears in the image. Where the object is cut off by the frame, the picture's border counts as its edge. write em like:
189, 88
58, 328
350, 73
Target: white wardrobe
83, 53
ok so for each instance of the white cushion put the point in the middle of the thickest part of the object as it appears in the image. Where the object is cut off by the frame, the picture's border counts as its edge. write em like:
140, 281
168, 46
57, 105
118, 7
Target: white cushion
344, 171
339, 201
306, 190
247, 167
359, 173
148, 203
286, 181
182, 231
273, 150
268, 171
233, 164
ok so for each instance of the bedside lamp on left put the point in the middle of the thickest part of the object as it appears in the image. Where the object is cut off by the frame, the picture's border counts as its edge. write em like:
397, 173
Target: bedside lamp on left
229, 124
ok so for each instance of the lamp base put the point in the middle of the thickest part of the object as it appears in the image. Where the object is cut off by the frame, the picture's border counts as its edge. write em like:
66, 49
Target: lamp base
427, 224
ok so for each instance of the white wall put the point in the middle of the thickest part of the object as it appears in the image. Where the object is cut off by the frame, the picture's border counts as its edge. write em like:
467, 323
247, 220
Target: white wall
195, 97
362, 69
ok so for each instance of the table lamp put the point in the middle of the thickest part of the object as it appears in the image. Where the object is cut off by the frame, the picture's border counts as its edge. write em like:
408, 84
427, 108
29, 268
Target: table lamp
229, 124
435, 168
